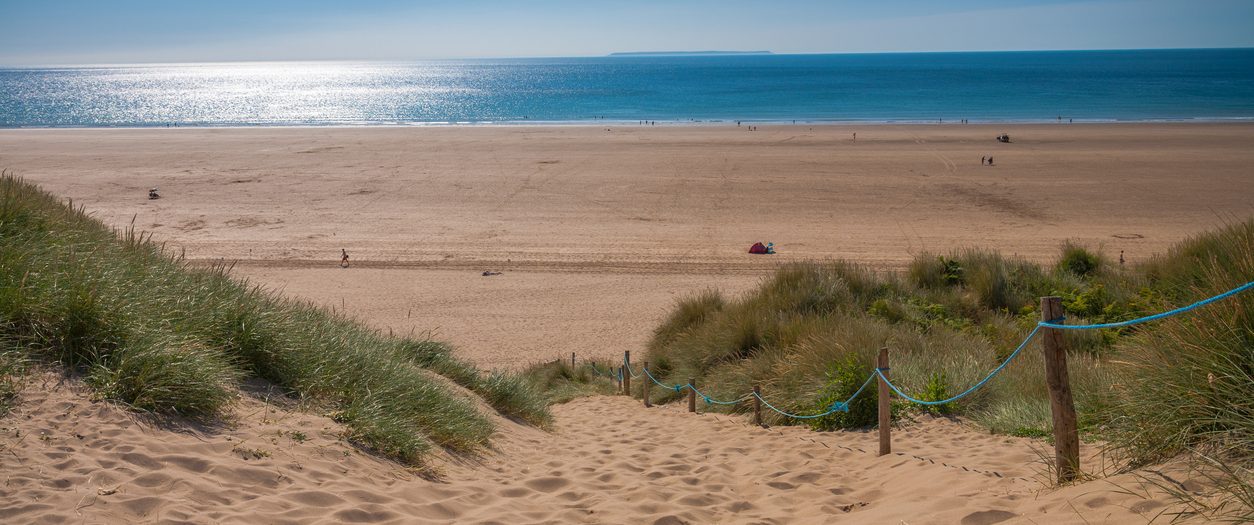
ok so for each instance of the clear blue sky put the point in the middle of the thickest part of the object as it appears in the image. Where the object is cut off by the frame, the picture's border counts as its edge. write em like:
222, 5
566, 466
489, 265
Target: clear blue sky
117, 31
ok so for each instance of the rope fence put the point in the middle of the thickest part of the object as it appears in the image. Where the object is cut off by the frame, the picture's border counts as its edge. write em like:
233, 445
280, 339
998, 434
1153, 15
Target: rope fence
1052, 322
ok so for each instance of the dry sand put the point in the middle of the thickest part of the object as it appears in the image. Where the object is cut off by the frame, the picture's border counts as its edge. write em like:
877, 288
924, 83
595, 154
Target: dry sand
596, 233
609, 460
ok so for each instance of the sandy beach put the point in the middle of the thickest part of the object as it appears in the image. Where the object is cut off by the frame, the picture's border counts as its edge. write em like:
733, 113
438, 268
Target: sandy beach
637, 263
597, 230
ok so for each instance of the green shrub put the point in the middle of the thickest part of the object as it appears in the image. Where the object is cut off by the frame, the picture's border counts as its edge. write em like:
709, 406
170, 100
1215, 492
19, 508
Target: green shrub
951, 272
888, 310
1078, 260
843, 379
937, 389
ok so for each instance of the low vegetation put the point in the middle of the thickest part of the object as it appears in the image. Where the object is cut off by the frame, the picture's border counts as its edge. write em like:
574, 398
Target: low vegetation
146, 329
562, 382
809, 336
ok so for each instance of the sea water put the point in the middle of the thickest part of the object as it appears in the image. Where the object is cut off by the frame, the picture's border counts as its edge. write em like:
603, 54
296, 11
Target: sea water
1204, 84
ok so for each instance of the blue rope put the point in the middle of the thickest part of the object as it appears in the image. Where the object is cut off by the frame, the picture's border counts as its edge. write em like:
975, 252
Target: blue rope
1154, 317
839, 406
677, 388
628, 367
711, 401
986, 379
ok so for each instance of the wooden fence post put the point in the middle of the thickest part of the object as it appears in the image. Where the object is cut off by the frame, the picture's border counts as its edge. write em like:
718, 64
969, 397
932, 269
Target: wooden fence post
572, 360
886, 414
692, 395
627, 373
1066, 438
757, 405
644, 387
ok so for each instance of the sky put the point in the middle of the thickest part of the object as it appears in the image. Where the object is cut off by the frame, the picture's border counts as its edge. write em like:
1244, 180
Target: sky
49, 32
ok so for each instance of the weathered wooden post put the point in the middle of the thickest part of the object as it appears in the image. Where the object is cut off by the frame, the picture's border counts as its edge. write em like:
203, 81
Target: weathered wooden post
757, 405
692, 395
572, 360
1066, 438
886, 413
644, 386
627, 373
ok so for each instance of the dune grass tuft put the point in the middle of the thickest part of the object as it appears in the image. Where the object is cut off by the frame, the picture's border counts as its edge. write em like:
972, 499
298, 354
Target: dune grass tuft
146, 329
560, 382
12, 372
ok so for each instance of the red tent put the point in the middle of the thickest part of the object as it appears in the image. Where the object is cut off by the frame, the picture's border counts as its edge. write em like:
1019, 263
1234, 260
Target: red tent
758, 248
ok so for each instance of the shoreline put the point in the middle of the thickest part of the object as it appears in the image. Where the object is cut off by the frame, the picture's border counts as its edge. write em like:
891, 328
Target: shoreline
658, 123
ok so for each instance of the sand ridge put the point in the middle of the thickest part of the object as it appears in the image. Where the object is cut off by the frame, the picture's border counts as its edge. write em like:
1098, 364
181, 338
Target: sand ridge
608, 460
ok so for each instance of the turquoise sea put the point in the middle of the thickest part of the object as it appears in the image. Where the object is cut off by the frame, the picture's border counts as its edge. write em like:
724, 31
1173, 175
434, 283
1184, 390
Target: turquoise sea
1204, 84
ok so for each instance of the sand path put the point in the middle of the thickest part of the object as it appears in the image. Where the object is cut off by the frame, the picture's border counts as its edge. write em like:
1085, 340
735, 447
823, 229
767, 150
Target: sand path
609, 460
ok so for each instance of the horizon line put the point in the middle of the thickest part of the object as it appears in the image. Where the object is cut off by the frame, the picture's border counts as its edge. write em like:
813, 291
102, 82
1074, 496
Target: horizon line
616, 55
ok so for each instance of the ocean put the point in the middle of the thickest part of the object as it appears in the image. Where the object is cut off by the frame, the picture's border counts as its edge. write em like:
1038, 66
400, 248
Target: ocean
1142, 85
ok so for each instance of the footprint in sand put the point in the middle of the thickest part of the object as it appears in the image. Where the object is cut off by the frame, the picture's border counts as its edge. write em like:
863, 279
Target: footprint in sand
514, 492
547, 484
987, 517
192, 225
250, 222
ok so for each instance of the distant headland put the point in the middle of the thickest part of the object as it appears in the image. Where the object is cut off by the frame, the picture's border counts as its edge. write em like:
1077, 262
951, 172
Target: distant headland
685, 53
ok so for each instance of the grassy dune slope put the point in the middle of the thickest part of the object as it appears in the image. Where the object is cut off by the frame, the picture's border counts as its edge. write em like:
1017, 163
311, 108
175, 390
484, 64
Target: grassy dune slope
145, 329
810, 333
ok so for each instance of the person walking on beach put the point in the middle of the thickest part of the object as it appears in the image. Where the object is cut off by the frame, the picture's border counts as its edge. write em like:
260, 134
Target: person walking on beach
982, 159
343, 258
990, 161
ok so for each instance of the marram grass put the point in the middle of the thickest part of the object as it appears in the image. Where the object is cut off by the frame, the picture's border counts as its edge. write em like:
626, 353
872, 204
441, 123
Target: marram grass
146, 329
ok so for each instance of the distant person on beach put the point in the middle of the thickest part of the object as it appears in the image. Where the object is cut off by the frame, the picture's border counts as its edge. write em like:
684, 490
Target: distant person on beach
982, 160
343, 258
990, 161
855, 136
1121, 259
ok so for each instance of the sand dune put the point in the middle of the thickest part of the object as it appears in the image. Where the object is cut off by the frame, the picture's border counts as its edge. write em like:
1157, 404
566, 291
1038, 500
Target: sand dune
609, 460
